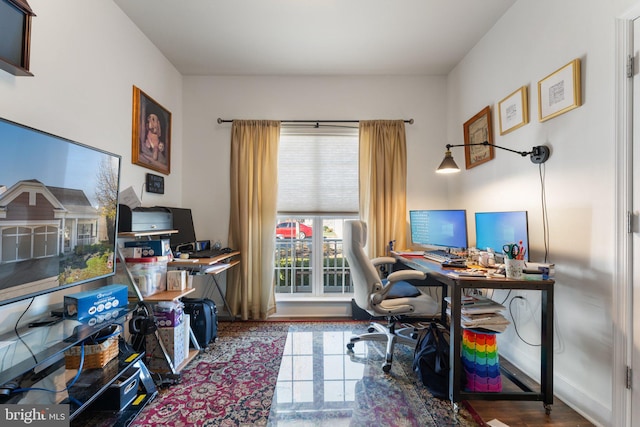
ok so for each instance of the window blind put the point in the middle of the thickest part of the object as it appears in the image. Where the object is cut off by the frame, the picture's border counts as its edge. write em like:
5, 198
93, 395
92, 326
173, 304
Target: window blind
318, 171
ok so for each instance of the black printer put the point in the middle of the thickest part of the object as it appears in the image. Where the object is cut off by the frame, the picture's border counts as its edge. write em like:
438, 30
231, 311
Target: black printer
156, 218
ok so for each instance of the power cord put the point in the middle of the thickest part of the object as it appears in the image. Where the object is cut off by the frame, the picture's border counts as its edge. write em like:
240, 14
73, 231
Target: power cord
515, 325
545, 218
15, 329
73, 381
91, 340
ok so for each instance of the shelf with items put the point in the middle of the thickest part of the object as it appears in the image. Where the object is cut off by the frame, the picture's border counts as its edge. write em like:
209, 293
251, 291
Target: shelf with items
150, 233
211, 267
37, 371
164, 363
168, 295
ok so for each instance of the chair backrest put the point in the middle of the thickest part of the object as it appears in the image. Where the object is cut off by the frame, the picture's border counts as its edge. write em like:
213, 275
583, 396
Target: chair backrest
366, 279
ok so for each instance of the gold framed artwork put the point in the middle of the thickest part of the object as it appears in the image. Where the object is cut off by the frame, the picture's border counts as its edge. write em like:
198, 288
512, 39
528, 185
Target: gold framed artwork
513, 111
151, 141
476, 131
559, 92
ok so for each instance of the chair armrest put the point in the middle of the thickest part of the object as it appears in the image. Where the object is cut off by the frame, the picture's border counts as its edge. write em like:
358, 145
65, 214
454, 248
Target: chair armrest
383, 260
399, 275
393, 278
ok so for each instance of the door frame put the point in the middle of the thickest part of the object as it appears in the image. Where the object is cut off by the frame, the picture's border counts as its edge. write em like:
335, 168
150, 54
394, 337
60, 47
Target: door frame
622, 301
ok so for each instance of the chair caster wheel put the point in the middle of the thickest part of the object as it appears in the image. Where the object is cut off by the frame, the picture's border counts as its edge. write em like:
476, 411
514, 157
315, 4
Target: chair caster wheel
350, 346
371, 329
386, 368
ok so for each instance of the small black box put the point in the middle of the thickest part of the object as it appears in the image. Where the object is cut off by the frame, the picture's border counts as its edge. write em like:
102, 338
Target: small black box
122, 392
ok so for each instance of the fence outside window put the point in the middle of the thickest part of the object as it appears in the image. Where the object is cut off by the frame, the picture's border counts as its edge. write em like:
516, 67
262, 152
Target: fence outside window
295, 261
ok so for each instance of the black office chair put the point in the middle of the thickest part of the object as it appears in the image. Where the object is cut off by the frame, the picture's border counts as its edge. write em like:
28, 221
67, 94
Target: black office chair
392, 297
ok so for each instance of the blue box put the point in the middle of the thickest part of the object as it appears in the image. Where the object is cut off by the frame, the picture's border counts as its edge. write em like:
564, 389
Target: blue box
160, 247
87, 304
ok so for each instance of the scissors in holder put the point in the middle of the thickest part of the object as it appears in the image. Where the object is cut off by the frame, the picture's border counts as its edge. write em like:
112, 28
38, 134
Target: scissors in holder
512, 250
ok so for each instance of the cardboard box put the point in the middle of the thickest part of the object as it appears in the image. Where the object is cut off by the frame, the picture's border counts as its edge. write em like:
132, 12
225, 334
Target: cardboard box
131, 252
173, 341
151, 248
87, 304
177, 280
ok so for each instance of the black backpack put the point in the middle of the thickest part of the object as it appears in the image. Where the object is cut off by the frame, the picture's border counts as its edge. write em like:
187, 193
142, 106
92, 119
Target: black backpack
431, 360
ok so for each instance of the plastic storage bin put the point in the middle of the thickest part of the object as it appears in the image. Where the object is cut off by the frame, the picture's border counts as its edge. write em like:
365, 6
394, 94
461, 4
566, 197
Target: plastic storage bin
481, 362
122, 392
150, 274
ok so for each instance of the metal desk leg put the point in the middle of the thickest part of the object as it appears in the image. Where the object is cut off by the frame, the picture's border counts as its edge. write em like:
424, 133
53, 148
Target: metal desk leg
224, 300
455, 361
546, 352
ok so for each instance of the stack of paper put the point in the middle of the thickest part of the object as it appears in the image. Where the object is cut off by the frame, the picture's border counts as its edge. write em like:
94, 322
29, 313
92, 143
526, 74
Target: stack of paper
478, 312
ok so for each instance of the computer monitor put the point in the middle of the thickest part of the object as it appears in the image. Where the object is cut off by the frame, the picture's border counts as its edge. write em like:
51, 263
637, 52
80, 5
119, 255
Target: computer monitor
183, 222
441, 228
496, 229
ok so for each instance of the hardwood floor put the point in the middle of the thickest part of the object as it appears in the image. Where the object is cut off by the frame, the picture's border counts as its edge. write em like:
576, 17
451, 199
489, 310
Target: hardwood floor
529, 414
526, 413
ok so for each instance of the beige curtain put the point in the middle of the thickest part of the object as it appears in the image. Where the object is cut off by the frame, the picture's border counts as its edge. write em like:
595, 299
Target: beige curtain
254, 184
383, 182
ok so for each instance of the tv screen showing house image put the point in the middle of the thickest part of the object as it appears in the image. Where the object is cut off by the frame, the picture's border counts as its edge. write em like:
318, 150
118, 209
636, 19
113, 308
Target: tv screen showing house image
58, 208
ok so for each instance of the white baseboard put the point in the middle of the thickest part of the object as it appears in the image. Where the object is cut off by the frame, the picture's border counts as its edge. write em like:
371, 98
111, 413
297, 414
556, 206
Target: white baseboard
312, 308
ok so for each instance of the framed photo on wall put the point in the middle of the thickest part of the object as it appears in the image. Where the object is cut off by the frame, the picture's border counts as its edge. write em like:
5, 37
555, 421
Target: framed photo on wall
476, 131
559, 92
151, 142
513, 111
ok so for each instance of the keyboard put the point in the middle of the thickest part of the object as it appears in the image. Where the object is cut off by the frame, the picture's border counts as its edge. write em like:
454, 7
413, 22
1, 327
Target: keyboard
442, 256
210, 253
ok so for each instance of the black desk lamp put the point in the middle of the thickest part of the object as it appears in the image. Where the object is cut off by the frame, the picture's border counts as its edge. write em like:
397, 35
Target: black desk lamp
538, 154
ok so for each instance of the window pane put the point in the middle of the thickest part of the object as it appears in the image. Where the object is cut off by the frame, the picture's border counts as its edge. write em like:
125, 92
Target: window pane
293, 257
337, 279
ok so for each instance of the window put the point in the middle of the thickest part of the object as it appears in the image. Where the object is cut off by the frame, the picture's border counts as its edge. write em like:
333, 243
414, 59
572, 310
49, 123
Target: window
317, 191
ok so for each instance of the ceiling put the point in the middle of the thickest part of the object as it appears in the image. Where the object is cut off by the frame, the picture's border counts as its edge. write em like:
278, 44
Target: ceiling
314, 37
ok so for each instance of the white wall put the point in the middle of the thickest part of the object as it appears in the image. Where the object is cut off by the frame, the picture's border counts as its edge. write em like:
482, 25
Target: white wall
86, 57
207, 143
532, 40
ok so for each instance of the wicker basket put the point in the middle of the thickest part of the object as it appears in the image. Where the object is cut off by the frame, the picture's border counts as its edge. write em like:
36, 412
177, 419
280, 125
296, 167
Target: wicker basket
95, 356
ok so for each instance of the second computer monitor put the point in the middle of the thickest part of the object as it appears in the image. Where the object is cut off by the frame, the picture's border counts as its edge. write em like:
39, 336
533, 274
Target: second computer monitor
183, 223
496, 229
441, 228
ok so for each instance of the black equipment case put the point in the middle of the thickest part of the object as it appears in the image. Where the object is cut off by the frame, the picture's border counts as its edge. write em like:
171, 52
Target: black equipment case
203, 318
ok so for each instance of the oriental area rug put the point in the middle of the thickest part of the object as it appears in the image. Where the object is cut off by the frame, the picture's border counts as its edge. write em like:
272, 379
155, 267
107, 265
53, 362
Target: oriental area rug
236, 382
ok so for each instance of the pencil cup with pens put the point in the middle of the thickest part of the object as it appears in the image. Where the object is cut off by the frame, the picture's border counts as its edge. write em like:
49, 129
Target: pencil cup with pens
514, 260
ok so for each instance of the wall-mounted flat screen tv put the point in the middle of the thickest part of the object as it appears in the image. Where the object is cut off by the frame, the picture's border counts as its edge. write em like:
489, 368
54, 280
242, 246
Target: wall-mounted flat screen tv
58, 208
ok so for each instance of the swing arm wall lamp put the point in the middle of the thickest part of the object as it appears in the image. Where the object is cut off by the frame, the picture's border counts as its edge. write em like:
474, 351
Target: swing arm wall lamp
538, 154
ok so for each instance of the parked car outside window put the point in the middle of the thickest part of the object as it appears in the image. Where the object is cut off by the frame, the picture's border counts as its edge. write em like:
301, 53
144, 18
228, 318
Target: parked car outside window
293, 230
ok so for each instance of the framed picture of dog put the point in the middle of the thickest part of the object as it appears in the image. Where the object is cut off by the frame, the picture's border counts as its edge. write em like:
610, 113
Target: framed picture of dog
151, 142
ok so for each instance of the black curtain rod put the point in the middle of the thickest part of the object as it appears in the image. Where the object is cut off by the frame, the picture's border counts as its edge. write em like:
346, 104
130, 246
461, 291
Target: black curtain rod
410, 121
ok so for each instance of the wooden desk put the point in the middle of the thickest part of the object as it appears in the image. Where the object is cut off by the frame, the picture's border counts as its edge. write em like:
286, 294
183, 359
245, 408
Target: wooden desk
456, 286
211, 267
